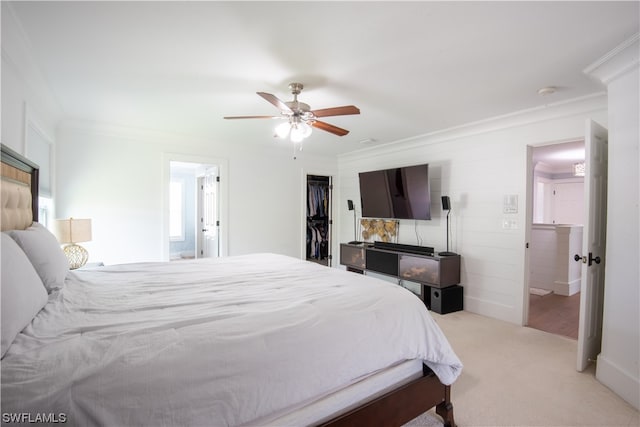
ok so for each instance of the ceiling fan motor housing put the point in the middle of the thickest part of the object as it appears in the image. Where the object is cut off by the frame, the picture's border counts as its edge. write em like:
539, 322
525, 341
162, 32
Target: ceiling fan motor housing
296, 88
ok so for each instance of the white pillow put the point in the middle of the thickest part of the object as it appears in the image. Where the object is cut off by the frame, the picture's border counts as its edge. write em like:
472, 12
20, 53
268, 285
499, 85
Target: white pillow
43, 250
23, 294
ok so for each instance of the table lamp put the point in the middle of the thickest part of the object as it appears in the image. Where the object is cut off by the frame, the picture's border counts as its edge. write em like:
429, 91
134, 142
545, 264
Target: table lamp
72, 231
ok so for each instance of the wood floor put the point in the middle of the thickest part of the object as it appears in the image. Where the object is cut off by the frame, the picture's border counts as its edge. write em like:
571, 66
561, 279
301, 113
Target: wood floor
556, 314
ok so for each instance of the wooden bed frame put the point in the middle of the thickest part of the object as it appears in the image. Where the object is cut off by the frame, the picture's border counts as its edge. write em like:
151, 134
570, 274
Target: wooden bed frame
394, 408
402, 404
15, 167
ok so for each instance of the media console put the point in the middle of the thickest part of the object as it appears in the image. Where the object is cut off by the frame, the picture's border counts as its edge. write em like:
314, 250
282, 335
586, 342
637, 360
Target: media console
438, 275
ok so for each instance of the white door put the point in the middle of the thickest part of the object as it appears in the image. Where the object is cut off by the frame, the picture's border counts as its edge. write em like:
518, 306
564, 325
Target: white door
208, 218
593, 245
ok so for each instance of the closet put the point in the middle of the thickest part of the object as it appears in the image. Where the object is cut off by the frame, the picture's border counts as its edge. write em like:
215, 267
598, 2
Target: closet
318, 239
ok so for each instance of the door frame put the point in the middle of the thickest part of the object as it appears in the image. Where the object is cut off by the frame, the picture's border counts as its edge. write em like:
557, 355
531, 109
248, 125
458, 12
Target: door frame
529, 219
223, 166
303, 213
529, 225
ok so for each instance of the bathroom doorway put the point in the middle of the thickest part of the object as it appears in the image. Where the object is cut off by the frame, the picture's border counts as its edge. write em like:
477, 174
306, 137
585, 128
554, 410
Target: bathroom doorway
194, 206
193, 210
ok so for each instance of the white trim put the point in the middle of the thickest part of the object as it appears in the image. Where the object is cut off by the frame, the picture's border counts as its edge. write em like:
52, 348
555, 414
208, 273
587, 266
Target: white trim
498, 311
29, 118
575, 107
624, 384
617, 62
47, 203
567, 288
130, 132
30, 123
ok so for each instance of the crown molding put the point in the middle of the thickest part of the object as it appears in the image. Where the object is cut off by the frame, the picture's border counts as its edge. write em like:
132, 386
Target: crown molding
569, 108
617, 62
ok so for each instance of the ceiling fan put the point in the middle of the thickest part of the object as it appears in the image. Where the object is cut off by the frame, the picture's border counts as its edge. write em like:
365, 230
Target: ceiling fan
300, 117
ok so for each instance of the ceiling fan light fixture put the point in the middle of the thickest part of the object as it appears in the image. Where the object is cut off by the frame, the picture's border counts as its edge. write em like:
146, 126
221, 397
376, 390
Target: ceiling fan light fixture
299, 118
282, 130
306, 130
300, 131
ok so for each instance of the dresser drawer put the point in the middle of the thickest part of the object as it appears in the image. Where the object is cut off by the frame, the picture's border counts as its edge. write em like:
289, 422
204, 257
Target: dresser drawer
353, 256
419, 269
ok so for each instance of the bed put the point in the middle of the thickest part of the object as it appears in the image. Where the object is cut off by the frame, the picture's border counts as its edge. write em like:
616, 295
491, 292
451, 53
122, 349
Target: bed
260, 339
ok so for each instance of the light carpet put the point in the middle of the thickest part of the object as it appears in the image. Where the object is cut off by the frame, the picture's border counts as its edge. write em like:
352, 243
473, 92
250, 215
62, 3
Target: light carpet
428, 419
519, 376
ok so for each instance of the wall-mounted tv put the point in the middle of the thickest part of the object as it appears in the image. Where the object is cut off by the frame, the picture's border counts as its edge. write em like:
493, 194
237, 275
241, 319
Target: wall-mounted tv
400, 193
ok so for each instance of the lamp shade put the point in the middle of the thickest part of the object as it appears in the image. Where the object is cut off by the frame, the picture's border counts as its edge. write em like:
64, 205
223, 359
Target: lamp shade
282, 130
73, 230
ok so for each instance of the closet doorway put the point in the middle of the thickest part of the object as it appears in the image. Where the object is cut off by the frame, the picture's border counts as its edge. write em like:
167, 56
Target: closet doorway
318, 217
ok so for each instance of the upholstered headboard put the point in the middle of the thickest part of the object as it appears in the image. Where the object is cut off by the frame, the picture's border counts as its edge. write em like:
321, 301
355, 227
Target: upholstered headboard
19, 187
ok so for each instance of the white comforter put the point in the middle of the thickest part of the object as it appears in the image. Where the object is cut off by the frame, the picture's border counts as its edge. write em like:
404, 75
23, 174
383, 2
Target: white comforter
212, 342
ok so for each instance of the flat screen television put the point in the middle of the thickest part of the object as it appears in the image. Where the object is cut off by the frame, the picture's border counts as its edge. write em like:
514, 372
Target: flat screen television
398, 193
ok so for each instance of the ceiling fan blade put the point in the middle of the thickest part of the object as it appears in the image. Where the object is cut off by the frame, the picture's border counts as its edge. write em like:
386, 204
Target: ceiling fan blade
251, 117
275, 101
337, 111
329, 128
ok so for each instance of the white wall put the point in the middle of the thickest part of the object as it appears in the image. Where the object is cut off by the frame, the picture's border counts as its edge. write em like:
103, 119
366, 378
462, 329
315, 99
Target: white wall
543, 246
115, 176
476, 166
568, 201
562, 201
618, 362
25, 96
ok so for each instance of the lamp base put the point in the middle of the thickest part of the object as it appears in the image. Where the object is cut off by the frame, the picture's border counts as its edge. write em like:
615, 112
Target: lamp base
76, 254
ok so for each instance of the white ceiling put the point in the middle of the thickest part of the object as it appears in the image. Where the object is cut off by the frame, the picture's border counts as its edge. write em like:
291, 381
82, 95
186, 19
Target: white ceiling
411, 67
559, 158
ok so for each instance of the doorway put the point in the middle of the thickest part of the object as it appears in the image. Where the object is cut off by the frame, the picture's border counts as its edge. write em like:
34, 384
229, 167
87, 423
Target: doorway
193, 210
195, 213
318, 200
589, 249
555, 235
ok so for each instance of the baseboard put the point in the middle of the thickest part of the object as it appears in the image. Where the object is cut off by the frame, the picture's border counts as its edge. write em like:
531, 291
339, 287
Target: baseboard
492, 309
619, 381
567, 288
